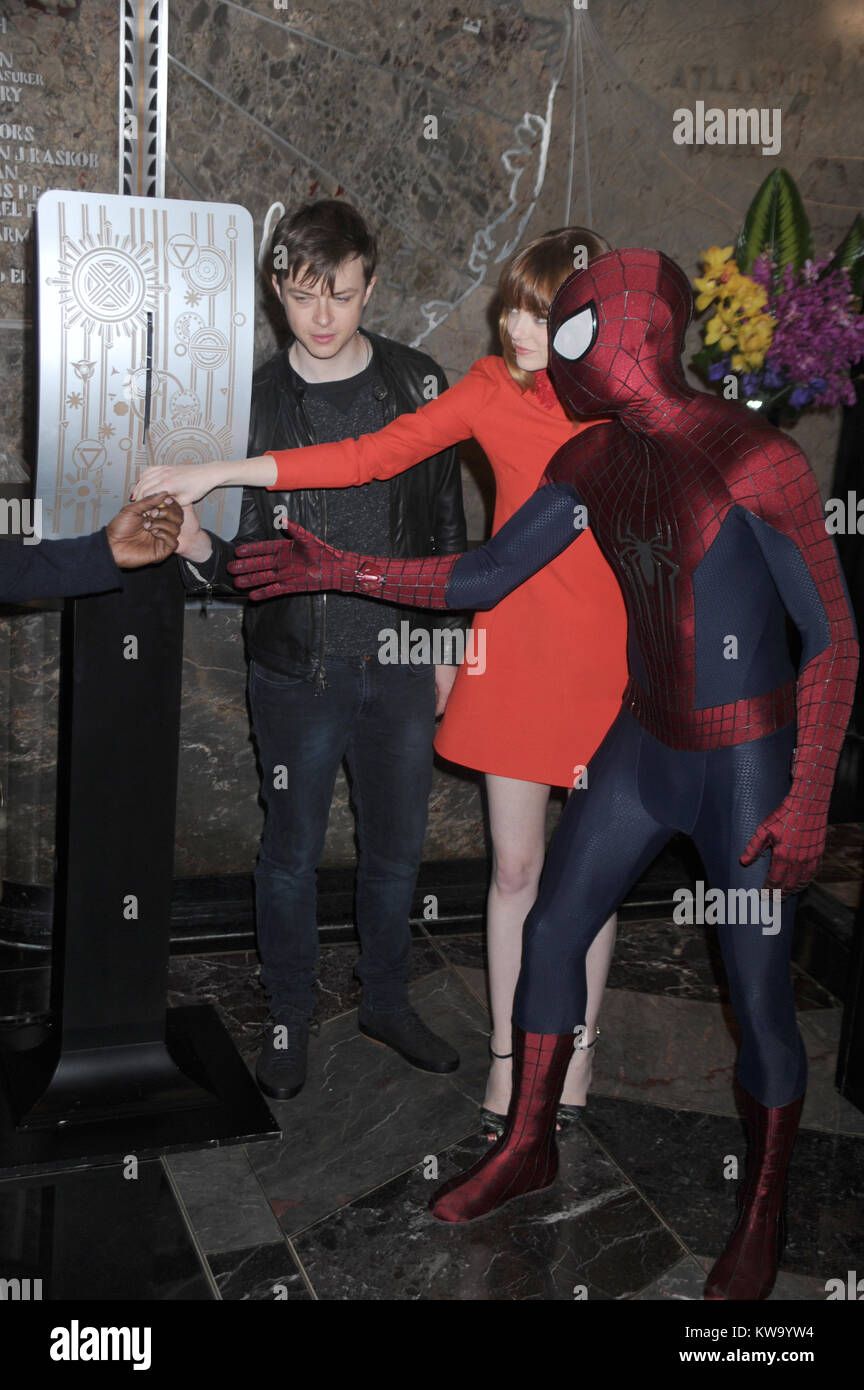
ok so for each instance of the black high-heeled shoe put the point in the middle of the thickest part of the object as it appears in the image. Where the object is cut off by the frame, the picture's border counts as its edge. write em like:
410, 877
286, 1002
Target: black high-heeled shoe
566, 1116
491, 1123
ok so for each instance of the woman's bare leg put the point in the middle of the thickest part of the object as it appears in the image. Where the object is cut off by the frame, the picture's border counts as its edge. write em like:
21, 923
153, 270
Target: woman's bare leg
517, 818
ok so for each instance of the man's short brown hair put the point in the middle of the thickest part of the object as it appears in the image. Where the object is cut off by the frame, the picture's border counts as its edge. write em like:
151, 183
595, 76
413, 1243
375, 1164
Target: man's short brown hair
320, 236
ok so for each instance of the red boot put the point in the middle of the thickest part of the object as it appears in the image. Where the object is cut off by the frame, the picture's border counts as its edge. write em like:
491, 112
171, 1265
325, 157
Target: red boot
525, 1158
747, 1268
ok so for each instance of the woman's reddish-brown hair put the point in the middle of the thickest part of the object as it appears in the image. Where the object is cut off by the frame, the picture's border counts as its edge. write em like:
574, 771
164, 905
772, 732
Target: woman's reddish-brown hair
529, 281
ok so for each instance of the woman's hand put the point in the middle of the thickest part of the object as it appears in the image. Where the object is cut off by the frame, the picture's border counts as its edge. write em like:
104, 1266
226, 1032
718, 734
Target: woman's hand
187, 484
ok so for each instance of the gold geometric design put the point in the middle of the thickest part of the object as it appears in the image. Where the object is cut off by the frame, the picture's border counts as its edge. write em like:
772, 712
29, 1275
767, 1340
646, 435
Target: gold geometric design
189, 444
182, 250
107, 284
210, 273
208, 349
89, 454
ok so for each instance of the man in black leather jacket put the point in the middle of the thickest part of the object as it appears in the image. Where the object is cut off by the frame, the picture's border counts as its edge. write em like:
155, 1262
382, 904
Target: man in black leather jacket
318, 691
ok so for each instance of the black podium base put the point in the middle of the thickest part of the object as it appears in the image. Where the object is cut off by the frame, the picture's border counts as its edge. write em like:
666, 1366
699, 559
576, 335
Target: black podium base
195, 1094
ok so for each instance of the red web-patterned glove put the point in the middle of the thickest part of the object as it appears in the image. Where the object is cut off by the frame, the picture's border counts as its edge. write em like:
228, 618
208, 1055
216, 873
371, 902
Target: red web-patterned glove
795, 833
782, 492
796, 830
304, 564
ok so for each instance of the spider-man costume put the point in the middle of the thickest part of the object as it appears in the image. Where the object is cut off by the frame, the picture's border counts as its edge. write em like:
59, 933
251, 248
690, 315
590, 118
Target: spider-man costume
711, 520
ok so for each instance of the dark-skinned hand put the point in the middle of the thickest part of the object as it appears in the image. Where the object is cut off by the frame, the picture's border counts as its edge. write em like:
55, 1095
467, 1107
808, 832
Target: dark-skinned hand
145, 532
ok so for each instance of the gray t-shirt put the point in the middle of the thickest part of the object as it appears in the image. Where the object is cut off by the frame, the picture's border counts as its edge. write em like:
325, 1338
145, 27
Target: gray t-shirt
358, 518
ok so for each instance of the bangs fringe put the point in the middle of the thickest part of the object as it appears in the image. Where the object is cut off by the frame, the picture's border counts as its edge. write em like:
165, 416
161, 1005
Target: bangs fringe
531, 279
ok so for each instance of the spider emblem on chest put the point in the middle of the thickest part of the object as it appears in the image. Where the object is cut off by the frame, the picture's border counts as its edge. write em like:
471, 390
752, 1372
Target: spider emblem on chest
649, 566
650, 557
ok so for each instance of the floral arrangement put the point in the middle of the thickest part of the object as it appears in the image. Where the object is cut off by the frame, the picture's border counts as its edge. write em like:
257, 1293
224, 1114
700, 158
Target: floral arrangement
786, 327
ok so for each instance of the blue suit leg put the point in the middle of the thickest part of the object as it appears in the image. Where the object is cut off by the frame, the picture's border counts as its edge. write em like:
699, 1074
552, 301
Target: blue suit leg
604, 840
742, 786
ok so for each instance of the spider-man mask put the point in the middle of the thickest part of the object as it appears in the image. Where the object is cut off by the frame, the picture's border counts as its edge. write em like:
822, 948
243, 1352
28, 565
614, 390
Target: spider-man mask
616, 333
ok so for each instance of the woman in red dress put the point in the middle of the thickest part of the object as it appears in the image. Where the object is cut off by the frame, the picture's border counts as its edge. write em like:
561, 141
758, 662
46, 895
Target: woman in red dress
546, 668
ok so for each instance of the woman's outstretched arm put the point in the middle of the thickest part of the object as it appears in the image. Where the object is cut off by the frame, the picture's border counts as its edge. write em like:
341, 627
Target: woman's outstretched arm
406, 441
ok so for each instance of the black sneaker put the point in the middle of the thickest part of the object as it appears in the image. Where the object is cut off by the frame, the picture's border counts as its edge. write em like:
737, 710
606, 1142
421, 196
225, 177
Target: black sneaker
281, 1067
404, 1031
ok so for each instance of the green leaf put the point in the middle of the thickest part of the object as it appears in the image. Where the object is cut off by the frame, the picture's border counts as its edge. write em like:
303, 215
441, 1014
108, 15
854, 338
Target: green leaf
850, 253
705, 358
777, 224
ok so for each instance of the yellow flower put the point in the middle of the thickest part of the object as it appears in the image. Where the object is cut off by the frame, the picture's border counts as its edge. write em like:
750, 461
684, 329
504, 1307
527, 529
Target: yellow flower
754, 338
752, 301
739, 324
718, 331
719, 269
715, 259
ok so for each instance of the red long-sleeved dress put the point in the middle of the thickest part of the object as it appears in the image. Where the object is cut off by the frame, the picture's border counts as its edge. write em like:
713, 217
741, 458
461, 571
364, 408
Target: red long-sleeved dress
555, 663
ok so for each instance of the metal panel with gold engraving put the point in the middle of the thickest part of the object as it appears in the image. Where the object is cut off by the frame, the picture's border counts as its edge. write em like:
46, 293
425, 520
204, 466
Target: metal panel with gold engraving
146, 321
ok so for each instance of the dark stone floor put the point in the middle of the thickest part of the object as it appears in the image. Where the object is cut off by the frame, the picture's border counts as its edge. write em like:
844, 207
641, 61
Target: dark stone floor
337, 1207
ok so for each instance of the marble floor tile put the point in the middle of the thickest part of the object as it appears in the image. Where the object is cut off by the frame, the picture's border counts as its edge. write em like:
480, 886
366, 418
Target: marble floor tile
658, 956
847, 890
844, 853
259, 1273
25, 993
16, 957
683, 1281
590, 1235
686, 1281
230, 981
223, 1199
365, 1114
654, 956
809, 993
100, 1234
476, 981
824, 1107
339, 992
468, 950
681, 1053
789, 1288
227, 980
677, 1159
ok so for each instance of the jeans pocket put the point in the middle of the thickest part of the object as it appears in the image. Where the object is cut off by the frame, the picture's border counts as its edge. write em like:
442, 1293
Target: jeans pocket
274, 678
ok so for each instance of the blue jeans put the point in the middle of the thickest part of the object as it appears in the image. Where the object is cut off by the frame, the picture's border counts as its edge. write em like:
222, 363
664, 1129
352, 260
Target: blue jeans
381, 720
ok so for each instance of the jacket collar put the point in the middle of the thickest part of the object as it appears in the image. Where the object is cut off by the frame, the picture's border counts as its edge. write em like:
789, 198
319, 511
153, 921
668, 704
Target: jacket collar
298, 385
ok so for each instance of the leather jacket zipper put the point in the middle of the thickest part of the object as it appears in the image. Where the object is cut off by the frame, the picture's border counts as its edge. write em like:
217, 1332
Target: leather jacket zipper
207, 594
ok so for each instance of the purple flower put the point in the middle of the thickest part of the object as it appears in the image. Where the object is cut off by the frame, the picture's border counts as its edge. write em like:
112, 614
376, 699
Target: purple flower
761, 271
818, 336
717, 370
751, 383
772, 378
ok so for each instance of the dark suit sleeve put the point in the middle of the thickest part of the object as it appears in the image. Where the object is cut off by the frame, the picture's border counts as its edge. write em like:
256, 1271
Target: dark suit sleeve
211, 575
58, 569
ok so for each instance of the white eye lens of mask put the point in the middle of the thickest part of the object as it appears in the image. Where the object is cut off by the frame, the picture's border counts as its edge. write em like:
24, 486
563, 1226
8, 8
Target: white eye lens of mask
576, 334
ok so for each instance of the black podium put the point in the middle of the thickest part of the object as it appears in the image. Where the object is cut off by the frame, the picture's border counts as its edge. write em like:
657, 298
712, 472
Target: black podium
116, 1073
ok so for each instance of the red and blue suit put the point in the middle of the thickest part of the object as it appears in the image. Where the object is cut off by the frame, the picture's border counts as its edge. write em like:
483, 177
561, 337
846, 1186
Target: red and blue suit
711, 520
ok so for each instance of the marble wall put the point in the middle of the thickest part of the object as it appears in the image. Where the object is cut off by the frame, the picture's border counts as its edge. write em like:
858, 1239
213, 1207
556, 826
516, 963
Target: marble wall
459, 132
